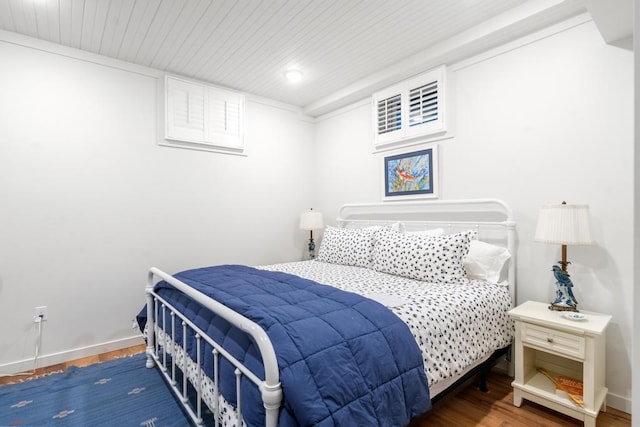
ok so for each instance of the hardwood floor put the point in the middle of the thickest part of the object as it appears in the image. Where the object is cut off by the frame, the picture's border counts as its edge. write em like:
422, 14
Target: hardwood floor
471, 407
79, 362
468, 407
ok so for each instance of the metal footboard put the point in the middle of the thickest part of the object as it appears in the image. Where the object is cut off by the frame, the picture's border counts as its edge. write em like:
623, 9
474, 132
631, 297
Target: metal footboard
157, 308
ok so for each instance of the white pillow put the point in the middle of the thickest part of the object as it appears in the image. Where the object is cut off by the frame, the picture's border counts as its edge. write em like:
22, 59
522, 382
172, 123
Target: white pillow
434, 232
485, 261
397, 227
347, 246
431, 259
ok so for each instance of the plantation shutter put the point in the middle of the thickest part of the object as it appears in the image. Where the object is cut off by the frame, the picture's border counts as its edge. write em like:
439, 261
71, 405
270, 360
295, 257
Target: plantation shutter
185, 111
225, 112
423, 104
389, 114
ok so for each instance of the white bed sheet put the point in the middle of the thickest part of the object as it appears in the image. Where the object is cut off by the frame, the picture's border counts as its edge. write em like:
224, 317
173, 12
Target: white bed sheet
456, 325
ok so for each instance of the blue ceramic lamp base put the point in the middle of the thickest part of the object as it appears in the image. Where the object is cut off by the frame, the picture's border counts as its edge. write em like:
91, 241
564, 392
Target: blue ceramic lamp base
565, 300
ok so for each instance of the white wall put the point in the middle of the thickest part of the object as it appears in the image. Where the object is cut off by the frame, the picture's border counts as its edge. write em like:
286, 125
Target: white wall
89, 201
537, 123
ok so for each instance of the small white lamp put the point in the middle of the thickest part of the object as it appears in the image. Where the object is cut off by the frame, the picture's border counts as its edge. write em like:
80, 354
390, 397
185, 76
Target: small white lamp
311, 220
564, 225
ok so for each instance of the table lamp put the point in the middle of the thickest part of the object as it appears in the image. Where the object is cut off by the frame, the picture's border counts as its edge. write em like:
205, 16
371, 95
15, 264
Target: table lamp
564, 225
311, 220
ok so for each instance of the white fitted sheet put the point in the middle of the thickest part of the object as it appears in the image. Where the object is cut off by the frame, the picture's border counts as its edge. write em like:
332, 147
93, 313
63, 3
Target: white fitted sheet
456, 325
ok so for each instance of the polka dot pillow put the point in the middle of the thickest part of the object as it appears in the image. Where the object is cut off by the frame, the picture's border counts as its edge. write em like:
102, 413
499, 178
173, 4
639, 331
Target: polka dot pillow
430, 259
347, 246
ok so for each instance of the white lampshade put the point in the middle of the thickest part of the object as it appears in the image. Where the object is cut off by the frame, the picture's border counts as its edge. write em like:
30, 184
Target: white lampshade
311, 220
564, 224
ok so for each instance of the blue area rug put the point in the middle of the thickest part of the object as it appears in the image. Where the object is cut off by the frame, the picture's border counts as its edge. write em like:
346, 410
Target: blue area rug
120, 392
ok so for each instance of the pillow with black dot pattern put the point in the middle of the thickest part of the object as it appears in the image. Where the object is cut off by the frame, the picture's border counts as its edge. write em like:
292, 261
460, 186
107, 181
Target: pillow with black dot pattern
427, 258
347, 246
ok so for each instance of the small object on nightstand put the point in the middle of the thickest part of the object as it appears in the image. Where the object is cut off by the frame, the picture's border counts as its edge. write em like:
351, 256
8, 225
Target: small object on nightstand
564, 225
311, 220
574, 316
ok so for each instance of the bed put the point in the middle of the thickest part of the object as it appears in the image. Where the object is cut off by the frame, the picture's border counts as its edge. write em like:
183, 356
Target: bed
414, 296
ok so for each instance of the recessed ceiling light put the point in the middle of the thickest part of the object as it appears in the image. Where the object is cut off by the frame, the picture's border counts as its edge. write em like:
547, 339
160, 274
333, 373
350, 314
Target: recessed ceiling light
293, 76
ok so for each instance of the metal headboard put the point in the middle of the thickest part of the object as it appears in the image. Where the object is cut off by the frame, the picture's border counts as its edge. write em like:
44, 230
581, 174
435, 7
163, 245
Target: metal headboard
492, 218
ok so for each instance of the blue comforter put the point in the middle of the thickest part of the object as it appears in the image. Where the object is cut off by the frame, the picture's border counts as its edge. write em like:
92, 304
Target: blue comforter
344, 359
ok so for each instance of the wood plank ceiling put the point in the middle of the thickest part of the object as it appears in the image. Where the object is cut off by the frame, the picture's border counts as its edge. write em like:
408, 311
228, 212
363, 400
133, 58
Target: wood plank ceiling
247, 45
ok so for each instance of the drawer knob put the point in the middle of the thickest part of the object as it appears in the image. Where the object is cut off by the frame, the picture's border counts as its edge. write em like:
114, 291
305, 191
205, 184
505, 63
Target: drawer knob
549, 339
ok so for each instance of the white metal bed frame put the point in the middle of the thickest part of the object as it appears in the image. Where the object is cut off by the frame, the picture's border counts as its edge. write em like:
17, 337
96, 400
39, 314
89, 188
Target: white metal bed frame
491, 217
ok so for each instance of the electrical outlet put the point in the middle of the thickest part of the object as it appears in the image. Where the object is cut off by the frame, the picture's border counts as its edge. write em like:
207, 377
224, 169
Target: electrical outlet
41, 312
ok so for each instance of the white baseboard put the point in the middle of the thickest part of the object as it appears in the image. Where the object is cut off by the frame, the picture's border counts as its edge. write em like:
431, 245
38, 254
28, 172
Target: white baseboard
67, 356
618, 402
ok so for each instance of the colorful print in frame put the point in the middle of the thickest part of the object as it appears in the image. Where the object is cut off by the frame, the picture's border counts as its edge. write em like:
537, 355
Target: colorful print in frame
411, 175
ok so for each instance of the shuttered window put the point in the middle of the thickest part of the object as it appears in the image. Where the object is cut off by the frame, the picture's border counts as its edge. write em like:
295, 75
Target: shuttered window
203, 117
411, 109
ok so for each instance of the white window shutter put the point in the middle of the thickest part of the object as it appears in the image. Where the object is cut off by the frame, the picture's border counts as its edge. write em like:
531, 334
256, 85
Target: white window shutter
185, 111
225, 113
389, 114
426, 104
423, 104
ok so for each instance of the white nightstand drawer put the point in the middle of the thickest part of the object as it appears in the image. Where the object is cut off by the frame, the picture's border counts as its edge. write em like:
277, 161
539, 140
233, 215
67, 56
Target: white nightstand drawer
556, 341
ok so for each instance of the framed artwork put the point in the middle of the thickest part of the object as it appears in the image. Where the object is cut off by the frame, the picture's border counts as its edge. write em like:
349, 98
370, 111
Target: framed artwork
411, 175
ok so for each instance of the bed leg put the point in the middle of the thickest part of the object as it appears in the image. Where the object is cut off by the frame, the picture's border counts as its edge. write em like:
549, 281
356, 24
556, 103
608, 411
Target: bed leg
150, 362
150, 321
482, 384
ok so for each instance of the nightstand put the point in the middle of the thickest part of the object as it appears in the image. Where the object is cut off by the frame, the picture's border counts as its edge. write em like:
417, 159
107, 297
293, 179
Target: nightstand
574, 348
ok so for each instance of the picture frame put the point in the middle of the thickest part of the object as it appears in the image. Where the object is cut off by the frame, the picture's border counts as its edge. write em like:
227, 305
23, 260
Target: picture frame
411, 175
